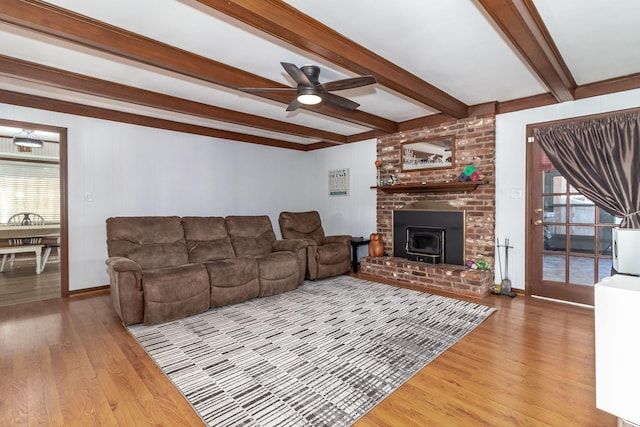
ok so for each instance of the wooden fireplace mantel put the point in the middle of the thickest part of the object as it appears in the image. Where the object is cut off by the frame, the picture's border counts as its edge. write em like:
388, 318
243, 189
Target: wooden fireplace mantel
436, 187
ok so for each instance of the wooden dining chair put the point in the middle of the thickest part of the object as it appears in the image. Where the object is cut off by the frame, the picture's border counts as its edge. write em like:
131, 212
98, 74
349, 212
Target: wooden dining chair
48, 247
26, 218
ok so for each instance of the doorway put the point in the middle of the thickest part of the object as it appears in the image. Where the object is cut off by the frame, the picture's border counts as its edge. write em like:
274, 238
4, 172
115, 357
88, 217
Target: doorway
21, 281
569, 239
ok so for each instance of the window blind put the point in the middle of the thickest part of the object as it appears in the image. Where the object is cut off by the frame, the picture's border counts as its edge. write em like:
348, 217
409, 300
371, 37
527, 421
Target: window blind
29, 187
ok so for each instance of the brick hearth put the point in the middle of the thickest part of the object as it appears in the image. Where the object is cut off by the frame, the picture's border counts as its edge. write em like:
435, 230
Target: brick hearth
474, 145
445, 277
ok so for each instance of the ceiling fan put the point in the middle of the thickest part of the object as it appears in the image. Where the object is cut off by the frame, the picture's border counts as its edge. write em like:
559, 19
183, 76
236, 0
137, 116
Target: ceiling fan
310, 91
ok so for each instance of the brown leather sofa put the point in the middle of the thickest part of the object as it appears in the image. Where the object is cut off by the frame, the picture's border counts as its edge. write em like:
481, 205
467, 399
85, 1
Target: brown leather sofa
327, 256
166, 268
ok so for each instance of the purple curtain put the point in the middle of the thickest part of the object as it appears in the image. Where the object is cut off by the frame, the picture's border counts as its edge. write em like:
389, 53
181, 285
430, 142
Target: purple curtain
600, 158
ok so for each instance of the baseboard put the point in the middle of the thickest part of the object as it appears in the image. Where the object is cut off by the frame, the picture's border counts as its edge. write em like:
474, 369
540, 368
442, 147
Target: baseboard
85, 291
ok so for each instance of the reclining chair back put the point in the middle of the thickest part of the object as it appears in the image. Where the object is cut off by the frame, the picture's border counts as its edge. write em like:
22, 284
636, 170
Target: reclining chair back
301, 225
152, 242
251, 235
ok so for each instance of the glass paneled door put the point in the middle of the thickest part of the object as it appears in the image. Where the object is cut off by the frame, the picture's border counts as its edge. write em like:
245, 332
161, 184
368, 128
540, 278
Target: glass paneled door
569, 238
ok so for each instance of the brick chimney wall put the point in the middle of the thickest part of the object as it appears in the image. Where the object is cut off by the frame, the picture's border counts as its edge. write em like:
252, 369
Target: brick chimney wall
474, 145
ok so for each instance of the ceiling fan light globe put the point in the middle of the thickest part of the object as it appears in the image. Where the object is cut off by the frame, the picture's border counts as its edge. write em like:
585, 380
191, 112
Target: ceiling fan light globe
309, 99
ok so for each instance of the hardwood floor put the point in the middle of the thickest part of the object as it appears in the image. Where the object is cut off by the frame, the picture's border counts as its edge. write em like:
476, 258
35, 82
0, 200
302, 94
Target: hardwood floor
20, 283
70, 362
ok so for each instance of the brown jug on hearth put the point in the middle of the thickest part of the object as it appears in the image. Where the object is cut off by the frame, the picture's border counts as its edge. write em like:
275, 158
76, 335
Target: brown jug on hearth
376, 246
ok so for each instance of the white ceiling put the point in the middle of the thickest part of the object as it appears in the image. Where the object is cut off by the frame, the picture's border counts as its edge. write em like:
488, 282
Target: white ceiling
453, 45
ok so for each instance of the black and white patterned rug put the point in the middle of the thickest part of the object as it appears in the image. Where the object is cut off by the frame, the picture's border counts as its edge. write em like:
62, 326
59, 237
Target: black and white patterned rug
322, 355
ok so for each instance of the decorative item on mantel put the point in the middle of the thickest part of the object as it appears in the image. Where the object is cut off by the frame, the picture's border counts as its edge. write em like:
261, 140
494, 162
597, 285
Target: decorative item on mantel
470, 173
376, 246
378, 164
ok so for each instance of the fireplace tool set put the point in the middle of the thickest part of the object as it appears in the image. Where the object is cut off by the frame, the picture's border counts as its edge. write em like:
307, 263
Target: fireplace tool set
505, 283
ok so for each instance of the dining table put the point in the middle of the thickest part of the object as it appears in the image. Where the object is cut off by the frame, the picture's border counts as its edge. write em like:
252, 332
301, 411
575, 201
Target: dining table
24, 234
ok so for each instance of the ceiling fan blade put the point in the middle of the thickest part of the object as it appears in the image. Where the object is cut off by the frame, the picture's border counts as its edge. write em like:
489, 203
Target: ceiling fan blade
297, 75
339, 101
294, 105
348, 83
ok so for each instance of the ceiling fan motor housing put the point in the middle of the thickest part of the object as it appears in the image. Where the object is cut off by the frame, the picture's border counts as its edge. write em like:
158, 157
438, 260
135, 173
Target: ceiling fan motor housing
312, 72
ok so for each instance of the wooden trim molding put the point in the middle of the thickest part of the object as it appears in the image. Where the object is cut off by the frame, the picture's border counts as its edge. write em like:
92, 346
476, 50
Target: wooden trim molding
64, 194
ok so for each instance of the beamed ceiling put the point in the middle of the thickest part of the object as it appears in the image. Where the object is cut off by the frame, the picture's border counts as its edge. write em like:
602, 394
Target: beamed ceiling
178, 64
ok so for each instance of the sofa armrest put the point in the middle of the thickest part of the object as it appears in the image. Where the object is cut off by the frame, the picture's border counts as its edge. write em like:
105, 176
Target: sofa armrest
344, 239
300, 247
125, 277
122, 264
292, 245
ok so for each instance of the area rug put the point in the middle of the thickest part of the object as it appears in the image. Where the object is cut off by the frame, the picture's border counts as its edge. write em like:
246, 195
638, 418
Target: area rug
322, 355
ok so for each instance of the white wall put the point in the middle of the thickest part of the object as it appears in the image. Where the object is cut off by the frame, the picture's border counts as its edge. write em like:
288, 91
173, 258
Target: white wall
511, 165
354, 214
133, 170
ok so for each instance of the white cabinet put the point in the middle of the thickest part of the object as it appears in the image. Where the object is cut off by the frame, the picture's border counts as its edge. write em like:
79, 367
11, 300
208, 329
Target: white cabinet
617, 319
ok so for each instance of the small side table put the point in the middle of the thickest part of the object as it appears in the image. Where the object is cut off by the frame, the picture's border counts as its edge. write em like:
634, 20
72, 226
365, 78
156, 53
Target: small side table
356, 242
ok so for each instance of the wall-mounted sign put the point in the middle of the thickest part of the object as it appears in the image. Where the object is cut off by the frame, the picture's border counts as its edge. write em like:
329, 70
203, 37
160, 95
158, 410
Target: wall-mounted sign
339, 182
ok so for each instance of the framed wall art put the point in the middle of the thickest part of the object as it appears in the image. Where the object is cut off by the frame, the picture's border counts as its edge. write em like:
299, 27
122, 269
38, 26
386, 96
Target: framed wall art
339, 182
434, 153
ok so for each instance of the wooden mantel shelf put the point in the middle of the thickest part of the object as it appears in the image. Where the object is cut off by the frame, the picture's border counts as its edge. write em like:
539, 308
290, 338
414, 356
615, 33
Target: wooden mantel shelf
436, 187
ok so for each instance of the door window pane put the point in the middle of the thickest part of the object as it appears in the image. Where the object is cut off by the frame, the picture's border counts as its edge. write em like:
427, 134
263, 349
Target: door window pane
604, 268
605, 241
553, 268
553, 182
581, 270
582, 210
557, 237
607, 218
554, 212
582, 240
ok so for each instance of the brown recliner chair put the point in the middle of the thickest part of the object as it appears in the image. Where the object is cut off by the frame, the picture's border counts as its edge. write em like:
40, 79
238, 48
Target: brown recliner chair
327, 256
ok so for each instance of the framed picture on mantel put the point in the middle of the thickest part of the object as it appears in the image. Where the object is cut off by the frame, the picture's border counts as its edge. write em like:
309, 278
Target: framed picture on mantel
434, 153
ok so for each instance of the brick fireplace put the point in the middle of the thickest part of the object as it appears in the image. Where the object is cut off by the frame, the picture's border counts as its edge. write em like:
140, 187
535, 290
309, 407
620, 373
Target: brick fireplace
474, 140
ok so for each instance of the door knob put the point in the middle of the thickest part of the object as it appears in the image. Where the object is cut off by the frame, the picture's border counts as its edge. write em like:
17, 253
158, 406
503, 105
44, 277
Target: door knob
537, 222
539, 210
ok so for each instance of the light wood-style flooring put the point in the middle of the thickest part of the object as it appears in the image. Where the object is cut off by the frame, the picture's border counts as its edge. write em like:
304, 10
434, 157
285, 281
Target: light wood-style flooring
70, 362
20, 283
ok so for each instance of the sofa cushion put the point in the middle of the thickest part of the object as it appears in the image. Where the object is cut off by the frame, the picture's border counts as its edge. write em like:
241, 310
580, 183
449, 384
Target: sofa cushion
277, 265
227, 273
233, 280
333, 253
250, 235
207, 239
278, 273
152, 242
175, 292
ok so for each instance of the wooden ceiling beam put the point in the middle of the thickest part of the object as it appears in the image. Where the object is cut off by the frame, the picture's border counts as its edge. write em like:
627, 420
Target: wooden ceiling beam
54, 21
280, 20
617, 84
521, 24
67, 107
54, 77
